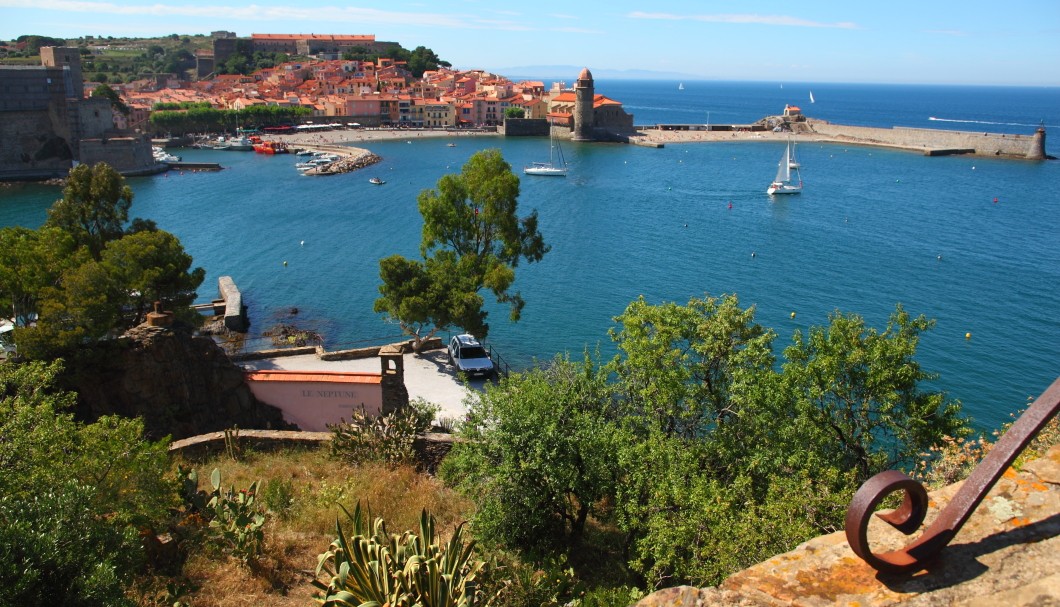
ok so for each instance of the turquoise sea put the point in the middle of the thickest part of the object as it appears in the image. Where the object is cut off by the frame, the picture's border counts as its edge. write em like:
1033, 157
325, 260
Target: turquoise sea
872, 228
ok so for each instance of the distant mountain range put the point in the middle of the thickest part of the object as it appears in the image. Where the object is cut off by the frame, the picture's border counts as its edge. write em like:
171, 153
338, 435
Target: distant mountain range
569, 73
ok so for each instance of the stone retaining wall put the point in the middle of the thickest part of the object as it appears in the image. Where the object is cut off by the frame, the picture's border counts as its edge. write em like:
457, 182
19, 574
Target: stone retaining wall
431, 447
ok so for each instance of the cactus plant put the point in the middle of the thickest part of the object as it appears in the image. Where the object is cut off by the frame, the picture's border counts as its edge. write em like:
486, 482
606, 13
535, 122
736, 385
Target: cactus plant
397, 570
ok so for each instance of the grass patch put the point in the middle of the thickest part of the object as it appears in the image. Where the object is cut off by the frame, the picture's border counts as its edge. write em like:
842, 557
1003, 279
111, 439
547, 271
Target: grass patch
302, 490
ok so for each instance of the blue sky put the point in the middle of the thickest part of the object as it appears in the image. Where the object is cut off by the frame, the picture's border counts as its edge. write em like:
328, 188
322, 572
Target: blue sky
1015, 42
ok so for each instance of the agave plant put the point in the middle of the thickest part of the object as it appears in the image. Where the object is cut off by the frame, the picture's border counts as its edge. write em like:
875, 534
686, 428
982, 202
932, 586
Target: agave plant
404, 570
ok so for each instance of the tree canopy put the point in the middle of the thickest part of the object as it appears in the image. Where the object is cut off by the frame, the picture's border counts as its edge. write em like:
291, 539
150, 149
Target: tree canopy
115, 99
472, 239
88, 273
693, 442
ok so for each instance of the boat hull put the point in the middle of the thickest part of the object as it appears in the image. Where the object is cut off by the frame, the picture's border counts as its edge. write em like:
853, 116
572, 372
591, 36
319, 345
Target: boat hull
546, 171
776, 189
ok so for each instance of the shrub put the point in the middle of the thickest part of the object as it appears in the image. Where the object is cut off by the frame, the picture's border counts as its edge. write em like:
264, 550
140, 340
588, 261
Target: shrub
387, 438
56, 550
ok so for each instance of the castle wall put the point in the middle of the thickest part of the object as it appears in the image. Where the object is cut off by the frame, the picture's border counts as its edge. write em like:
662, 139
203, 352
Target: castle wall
68, 56
613, 118
32, 149
125, 154
95, 117
35, 135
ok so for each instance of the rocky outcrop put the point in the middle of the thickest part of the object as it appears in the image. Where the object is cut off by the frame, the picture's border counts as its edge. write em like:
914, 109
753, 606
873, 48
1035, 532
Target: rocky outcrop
1008, 553
180, 384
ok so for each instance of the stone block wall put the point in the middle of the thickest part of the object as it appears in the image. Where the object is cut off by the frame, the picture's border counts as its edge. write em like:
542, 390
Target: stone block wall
125, 154
32, 148
524, 127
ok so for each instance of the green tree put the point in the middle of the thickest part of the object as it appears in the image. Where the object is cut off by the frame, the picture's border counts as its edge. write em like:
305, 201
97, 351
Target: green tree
471, 227
514, 112
679, 361
423, 297
94, 207
115, 99
151, 266
861, 389
539, 455
30, 261
423, 59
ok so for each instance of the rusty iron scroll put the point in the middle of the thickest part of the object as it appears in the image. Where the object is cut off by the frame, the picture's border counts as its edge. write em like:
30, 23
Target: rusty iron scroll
908, 517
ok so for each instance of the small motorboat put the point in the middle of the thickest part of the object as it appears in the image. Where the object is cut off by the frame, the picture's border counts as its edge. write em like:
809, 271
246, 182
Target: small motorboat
376, 181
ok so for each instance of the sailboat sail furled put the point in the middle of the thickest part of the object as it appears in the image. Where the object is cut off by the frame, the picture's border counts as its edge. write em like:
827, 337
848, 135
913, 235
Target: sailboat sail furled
783, 183
556, 165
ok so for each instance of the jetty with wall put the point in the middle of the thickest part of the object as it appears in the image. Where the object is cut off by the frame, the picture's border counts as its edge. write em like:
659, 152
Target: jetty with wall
933, 142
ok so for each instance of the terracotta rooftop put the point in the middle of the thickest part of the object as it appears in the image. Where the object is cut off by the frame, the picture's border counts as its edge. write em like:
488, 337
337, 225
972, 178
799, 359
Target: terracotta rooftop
334, 377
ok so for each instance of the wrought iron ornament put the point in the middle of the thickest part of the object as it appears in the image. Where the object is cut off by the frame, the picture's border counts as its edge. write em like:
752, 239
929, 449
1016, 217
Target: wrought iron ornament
908, 517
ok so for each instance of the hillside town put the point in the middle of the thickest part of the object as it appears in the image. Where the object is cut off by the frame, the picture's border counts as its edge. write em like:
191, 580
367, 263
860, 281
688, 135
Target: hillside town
321, 87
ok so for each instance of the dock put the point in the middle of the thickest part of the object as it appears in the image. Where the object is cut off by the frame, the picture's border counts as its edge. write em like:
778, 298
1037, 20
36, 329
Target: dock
230, 305
195, 166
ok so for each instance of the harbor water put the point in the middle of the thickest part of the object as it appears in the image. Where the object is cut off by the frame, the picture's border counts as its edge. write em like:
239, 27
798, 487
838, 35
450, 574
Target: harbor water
970, 242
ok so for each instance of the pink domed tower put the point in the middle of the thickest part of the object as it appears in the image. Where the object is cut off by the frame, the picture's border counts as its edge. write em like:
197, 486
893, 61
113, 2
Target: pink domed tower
584, 95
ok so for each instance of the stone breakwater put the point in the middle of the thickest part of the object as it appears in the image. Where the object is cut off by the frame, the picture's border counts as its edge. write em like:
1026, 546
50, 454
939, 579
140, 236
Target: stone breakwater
930, 142
936, 142
351, 159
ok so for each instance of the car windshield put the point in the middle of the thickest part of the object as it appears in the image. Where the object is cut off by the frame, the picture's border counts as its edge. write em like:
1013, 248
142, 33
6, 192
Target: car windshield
472, 352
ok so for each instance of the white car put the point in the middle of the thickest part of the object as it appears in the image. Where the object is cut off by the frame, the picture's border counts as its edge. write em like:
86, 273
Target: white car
7, 346
468, 356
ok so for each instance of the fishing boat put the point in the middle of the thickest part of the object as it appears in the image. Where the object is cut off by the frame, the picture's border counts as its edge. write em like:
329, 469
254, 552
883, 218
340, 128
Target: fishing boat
235, 144
556, 165
785, 182
376, 181
271, 147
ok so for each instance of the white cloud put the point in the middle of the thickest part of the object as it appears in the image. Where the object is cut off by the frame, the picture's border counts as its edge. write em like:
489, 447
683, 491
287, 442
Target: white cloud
250, 12
743, 19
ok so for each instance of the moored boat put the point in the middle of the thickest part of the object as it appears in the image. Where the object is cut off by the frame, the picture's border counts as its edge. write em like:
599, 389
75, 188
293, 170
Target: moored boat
270, 147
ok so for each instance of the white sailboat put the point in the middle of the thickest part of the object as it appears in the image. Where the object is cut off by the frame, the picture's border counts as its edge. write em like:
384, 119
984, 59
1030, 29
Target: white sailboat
681, 86
811, 97
556, 165
785, 182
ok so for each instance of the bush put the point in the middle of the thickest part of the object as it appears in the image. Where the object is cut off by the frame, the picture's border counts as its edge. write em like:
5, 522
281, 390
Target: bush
55, 549
388, 438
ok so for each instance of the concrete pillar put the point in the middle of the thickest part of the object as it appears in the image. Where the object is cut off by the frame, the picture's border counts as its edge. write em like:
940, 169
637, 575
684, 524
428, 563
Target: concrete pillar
395, 394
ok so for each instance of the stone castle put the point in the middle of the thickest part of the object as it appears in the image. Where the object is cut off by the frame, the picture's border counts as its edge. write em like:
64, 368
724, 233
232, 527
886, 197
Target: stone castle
48, 126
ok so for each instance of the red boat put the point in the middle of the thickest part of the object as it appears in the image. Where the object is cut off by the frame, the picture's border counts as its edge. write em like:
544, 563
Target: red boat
270, 147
